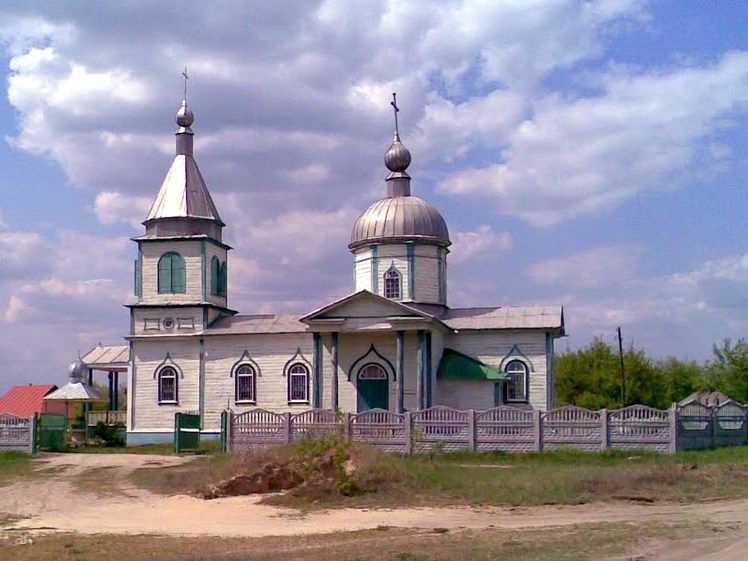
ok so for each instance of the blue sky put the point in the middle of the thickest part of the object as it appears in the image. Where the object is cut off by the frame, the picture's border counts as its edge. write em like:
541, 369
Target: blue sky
584, 153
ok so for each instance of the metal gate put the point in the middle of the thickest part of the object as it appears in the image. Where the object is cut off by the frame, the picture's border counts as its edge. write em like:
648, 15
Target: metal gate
51, 432
186, 432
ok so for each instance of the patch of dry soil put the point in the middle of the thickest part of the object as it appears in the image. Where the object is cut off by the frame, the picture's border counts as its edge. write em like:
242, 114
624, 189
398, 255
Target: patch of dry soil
55, 504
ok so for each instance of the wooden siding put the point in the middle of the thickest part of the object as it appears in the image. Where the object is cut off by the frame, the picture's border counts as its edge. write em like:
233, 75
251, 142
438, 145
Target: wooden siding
190, 250
212, 250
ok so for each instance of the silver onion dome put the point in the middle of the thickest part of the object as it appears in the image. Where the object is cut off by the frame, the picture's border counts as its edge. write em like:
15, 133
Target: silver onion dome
400, 219
77, 371
397, 157
185, 117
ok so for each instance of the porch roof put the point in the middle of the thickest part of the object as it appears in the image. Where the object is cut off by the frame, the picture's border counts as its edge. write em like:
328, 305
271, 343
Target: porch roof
456, 366
114, 359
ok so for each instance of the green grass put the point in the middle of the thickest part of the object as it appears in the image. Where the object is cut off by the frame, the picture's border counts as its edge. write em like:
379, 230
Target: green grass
14, 465
561, 477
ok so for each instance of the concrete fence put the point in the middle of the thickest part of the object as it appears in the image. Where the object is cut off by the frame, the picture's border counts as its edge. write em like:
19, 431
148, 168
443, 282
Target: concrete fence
16, 433
503, 428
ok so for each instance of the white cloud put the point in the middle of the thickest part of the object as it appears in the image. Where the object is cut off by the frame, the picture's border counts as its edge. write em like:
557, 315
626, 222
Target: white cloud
113, 208
476, 245
592, 268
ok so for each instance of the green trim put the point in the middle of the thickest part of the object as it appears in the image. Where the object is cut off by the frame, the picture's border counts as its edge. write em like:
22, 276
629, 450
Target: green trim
457, 366
172, 274
203, 263
410, 250
375, 269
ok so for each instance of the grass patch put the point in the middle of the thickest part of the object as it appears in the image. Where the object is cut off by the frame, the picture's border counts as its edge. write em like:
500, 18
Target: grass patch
14, 465
384, 480
578, 543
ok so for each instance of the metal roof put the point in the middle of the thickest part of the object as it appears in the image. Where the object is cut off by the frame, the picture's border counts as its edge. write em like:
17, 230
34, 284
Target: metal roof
24, 401
506, 317
183, 193
104, 358
260, 323
76, 391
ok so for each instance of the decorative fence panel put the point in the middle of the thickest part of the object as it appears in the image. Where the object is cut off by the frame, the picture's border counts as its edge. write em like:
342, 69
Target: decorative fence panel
442, 428
502, 428
16, 433
571, 427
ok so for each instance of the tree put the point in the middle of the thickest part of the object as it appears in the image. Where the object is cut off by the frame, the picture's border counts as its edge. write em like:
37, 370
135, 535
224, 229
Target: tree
728, 372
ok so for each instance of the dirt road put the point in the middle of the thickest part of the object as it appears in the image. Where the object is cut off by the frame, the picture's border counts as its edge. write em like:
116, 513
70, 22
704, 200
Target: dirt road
58, 503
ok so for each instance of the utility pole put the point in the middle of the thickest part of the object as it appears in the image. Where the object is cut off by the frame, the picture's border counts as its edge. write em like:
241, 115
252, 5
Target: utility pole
623, 372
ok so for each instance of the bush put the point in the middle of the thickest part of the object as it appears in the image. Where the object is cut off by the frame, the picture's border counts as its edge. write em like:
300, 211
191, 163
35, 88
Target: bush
111, 436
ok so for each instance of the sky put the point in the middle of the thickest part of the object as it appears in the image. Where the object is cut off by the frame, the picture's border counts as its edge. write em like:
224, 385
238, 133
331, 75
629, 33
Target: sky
590, 154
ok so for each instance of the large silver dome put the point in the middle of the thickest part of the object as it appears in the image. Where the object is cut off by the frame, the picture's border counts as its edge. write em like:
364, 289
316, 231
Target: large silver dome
400, 219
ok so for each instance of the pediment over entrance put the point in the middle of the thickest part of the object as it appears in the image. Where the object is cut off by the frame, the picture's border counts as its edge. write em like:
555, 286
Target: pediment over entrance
364, 304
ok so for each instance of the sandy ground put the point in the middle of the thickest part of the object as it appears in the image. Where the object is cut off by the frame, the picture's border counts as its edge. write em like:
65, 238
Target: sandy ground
56, 504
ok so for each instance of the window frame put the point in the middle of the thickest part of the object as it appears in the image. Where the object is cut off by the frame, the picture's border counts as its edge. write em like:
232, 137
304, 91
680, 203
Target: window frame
173, 287
239, 374
215, 276
160, 379
290, 374
525, 381
381, 368
390, 274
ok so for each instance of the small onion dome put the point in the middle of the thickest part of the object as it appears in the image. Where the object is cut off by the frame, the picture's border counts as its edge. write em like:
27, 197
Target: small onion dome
397, 157
77, 371
400, 219
185, 116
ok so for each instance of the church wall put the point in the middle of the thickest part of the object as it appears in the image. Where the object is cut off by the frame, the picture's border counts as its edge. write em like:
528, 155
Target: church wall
362, 269
389, 255
437, 349
492, 346
191, 252
212, 250
466, 394
150, 321
147, 357
267, 352
426, 274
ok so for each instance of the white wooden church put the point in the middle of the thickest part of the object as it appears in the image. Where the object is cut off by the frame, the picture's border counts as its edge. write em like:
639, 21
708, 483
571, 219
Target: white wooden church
393, 343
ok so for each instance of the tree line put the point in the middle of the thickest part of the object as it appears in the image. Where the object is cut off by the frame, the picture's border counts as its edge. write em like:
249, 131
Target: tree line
591, 377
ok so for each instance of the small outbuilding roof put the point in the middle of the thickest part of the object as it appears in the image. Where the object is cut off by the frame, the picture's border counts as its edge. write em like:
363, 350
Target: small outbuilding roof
76, 391
259, 323
107, 358
506, 317
24, 401
710, 399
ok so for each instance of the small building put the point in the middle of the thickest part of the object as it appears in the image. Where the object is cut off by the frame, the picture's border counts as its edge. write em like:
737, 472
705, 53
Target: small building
394, 343
28, 400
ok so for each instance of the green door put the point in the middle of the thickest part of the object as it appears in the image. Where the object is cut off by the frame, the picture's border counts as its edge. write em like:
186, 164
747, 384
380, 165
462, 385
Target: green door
373, 388
51, 432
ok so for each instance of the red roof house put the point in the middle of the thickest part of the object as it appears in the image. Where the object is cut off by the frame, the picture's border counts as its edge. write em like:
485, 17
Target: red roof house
24, 401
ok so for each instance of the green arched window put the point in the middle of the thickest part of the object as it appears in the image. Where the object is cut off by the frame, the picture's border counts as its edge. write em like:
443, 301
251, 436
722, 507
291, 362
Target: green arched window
215, 276
171, 273
224, 279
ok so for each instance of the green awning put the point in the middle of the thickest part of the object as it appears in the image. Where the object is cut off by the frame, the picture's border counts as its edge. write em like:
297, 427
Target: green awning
457, 366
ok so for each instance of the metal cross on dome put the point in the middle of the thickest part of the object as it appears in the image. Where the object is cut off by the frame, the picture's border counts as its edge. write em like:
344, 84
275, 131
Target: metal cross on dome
397, 110
185, 83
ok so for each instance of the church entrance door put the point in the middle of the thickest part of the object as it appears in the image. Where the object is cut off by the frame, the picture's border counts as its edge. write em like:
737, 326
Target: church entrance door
373, 388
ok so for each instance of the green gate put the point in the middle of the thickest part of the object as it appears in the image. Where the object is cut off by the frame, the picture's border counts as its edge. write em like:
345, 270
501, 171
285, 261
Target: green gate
51, 432
186, 432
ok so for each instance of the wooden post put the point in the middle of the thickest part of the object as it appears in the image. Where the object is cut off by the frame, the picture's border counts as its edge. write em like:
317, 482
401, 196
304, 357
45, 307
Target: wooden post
116, 392
399, 370
408, 420
419, 371
604, 436
111, 390
472, 431
334, 379
348, 425
673, 425
317, 374
537, 429
287, 426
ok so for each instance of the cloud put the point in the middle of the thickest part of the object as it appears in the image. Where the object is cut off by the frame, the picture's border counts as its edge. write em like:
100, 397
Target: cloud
592, 268
642, 133
113, 208
478, 244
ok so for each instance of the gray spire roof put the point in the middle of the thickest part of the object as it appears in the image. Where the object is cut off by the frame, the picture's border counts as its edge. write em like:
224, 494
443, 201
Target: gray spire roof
183, 193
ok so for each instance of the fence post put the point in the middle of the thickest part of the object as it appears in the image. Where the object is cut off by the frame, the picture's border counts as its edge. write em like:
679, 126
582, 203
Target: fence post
348, 420
715, 426
287, 426
408, 420
673, 423
537, 429
472, 431
32, 434
604, 430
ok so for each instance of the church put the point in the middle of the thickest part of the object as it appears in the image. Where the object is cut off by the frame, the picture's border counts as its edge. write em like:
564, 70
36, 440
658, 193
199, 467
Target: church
393, 343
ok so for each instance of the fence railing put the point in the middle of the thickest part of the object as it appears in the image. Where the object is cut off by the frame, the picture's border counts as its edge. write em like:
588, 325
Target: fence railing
111, 418
503, 428
16, 433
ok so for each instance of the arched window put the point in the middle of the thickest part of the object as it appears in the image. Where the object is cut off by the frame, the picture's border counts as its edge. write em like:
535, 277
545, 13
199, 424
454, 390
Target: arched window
168, 385
245, 384
223, 279
298, 383
171, 273
392, 283
372, 371
215, 276
516, 387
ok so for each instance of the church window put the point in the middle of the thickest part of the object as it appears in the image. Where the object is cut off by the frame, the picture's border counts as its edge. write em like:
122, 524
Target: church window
171, 273
215, 276
167, 385
223, 277
298, 383
372, 371
516, 387
245, 384
392, 283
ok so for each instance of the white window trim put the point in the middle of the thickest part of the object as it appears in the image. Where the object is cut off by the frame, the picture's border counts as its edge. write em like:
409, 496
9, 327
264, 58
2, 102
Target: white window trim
253, 375
526, 399
291, 376
174, 401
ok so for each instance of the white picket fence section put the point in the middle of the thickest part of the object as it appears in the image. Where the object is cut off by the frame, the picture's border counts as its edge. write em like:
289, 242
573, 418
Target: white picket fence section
16, 433
503, 428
